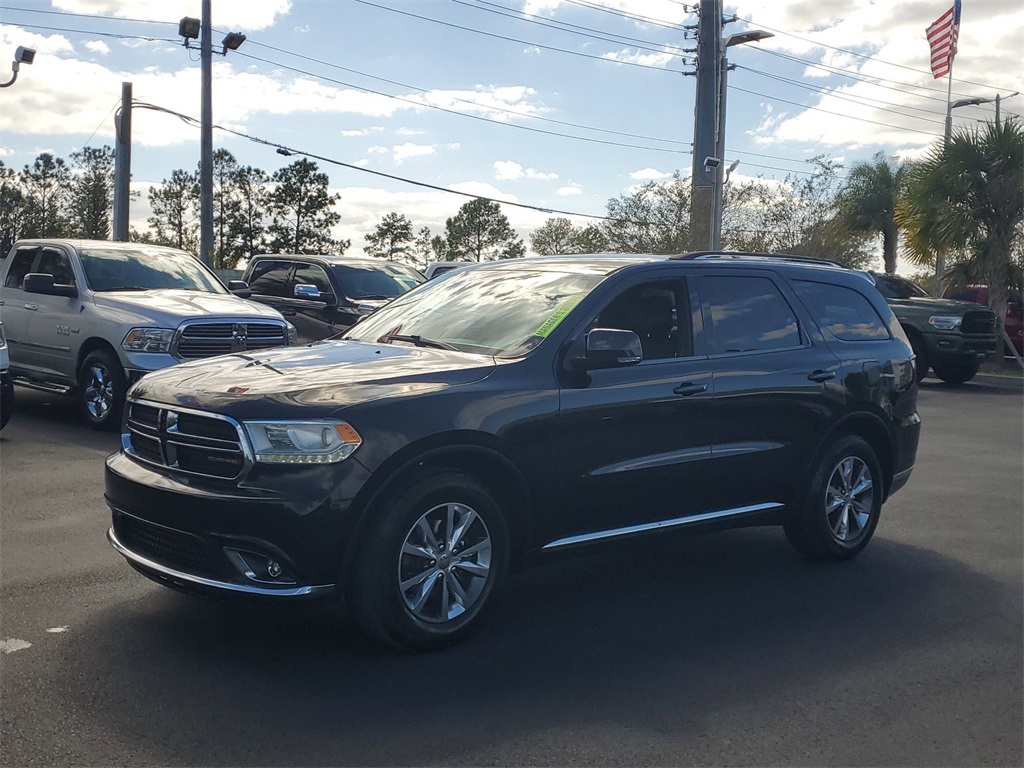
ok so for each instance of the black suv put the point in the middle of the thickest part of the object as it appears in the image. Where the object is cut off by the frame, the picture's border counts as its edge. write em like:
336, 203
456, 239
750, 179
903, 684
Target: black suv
511, 410
323, 295
950, 337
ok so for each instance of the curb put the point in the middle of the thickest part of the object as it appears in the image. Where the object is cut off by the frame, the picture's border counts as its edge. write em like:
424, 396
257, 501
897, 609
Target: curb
1003, 382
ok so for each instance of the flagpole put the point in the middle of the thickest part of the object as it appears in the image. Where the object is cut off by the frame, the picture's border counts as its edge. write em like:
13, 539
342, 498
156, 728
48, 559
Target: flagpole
940, 254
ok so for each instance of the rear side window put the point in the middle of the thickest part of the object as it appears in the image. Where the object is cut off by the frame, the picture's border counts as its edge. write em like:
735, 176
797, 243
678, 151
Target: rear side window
21, 265
270, 278
843, 312
747, 314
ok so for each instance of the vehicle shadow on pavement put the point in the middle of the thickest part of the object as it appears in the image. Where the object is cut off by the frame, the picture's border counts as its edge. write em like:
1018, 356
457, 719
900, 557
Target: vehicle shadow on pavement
660, 638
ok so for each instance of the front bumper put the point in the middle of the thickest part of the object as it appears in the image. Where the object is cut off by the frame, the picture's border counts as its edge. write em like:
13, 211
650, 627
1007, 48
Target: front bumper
958, 348
280, 534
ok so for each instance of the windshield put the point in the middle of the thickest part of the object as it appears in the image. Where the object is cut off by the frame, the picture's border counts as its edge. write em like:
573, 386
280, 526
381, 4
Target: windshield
498, 312
893, 287
142, 269
383, 282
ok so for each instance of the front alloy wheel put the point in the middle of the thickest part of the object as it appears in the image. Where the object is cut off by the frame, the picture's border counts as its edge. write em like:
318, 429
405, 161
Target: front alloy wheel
101, 390
445, 563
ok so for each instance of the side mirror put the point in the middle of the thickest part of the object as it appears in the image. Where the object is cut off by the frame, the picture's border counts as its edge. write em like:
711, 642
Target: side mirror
240, 288
611, 348
38, 282
310, 292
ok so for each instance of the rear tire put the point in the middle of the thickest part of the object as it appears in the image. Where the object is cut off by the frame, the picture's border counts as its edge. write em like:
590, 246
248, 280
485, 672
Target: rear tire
101, 390
842, 505
957, 374
431, 563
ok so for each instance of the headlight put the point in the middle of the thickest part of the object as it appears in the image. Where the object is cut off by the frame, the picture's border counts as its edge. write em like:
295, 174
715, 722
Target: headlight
302, 442
293, 334
148, 340
944, 322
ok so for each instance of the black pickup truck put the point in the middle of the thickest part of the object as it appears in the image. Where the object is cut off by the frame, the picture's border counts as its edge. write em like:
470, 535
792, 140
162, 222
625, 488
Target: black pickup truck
950, 337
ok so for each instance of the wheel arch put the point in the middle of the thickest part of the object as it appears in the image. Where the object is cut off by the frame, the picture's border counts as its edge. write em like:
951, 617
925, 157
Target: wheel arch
871, 428
90, 345
478, 455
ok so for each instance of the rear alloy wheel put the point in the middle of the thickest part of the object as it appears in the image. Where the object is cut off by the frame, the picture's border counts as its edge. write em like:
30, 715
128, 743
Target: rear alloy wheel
957, 374
843, 503
430, 567
101, 390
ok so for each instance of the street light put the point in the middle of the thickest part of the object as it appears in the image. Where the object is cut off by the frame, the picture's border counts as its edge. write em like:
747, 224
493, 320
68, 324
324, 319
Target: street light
190, 28
22, 55
750, 36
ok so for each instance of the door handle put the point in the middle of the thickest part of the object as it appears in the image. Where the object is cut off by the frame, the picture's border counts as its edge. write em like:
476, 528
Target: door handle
31, 306
820, 376
688, 388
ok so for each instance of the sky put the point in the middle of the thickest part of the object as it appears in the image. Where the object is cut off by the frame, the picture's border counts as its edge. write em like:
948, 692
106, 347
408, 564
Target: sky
557, 104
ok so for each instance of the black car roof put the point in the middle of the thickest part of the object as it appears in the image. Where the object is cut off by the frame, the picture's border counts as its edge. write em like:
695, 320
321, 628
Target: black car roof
332, 260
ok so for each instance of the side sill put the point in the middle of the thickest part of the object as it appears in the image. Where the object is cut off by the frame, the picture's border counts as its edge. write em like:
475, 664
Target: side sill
678, 522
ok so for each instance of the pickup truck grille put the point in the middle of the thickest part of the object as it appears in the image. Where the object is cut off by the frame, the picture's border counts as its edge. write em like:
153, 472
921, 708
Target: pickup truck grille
186, 441
981, 321
199, 339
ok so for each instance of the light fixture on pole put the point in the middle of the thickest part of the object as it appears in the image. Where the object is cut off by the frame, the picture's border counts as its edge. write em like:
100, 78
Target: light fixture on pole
750, 36
190, 28
22, 55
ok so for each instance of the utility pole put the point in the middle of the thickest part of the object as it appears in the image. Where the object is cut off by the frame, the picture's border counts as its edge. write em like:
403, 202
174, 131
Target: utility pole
122, 163
206, 142
706, 164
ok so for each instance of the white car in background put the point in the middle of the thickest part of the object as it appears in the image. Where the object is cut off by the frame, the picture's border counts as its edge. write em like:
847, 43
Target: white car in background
6, 384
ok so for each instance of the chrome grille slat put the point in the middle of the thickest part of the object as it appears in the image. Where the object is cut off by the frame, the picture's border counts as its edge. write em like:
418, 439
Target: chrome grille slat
182, 440
197, 339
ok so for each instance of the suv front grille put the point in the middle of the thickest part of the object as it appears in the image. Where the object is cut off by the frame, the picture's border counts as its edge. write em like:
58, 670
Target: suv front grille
187, 441
980, 321
197, 339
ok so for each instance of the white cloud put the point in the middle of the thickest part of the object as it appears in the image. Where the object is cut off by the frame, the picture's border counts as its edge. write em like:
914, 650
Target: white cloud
569, 190
646, 58
362, 132
649, 174
98, 46
237, 14
403, 152
509, 170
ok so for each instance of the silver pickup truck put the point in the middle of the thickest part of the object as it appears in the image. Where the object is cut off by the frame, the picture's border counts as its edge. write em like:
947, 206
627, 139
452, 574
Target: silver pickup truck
89, 317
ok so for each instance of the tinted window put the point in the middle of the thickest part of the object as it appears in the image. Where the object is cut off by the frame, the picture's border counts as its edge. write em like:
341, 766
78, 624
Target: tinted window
747, 314
21, 265
658, 312
893, 287
270, 278
55, 263
843, 312
310, 274
144, 268
372, 282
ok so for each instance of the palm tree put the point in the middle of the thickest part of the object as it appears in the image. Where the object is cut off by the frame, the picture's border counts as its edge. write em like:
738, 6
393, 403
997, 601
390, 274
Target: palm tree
868, 201
969, 197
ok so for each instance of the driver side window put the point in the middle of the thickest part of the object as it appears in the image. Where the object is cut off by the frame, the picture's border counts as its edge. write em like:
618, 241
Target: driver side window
658, 312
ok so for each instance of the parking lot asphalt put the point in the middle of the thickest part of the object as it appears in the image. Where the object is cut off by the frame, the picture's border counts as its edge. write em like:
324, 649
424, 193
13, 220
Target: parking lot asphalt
724, 649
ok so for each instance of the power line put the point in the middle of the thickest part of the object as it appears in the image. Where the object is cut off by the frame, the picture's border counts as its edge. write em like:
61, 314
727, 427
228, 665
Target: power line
80, 15
93, 32
513, 39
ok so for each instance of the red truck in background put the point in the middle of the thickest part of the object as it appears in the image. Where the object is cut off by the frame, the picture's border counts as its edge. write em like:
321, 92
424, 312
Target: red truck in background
1014, 320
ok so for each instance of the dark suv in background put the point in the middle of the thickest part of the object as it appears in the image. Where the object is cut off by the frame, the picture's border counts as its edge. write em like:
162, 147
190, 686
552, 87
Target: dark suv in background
950, 337
323, 295
514, 410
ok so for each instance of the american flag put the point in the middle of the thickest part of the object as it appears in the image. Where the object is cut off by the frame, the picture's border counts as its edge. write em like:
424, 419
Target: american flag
942, 38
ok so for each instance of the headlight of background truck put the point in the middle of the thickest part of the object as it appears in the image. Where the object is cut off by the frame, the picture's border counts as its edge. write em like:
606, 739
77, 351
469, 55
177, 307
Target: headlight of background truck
148, 340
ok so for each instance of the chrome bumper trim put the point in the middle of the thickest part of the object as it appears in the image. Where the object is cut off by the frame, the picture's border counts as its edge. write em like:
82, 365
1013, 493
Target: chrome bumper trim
144, 562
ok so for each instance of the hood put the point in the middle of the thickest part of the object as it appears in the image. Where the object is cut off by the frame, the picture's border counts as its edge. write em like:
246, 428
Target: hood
167, 308
927, 303
332, 374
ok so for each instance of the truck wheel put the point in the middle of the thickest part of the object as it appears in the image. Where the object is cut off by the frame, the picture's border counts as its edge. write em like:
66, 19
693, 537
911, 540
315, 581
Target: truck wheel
917, 344
101, 390
842, 504
956, 374
431, 563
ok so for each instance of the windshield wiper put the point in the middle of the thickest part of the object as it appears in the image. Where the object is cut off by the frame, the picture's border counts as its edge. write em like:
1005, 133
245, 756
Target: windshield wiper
419, 341
373, 296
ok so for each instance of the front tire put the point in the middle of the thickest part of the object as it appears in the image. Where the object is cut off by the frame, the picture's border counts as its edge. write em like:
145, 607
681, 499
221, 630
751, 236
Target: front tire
842, 505
101, 390
431, 563
957, 374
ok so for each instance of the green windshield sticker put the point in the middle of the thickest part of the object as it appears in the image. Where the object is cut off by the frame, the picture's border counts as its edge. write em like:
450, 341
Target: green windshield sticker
558, 315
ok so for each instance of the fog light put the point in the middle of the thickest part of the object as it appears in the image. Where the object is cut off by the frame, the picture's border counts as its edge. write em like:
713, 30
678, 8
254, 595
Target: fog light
257, 567
273, 568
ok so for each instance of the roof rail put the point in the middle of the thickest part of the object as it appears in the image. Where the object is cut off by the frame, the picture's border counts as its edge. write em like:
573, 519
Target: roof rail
713, 255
